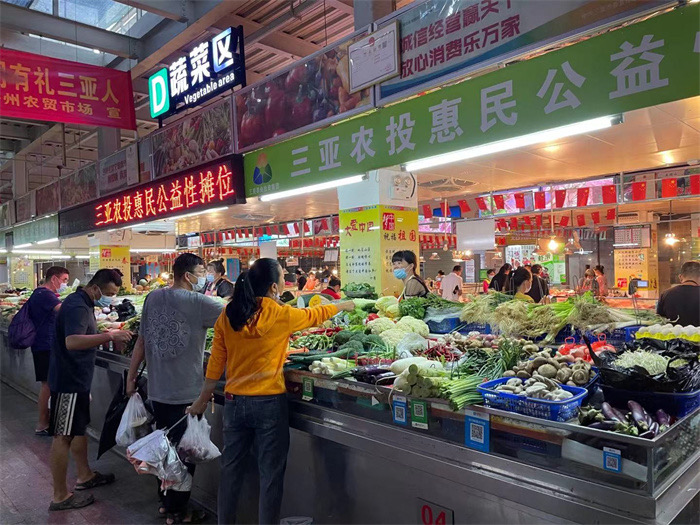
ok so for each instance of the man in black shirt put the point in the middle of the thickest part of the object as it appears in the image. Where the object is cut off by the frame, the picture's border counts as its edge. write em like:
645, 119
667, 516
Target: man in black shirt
681, 303
539, 288
70, 379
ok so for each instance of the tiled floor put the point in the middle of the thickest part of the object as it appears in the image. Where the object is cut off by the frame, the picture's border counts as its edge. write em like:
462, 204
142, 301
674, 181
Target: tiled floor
25, 478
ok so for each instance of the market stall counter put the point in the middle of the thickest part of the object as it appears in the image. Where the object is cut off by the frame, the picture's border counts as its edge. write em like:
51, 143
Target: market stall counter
360, 454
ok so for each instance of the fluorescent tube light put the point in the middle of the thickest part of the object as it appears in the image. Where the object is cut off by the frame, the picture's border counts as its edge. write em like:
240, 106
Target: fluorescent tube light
152, 250
37, 252
3, 250
25, 245
314, 187
548, 135
47, 241
82, 256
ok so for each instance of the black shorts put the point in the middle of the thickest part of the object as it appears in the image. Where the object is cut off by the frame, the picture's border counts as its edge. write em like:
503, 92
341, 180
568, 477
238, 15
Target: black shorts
70, 413
41, 365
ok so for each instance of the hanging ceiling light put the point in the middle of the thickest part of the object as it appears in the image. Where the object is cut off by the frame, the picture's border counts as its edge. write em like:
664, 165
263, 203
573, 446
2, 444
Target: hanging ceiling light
670, 239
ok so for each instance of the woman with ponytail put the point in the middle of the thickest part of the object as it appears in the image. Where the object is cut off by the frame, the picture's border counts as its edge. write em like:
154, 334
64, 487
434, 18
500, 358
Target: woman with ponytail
250, 344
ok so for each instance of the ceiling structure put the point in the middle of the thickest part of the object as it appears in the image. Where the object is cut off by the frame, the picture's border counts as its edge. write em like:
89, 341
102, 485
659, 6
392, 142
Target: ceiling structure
141, 36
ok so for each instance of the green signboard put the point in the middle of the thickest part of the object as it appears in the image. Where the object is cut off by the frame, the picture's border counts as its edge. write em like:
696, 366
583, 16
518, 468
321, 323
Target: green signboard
39, 230
642, 65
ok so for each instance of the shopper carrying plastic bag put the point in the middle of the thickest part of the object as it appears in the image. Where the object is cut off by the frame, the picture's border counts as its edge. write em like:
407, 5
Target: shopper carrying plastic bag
195, 445
154, 454
135, 422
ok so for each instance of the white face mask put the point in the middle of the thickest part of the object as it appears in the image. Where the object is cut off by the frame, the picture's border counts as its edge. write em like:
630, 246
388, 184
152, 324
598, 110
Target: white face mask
62, 287
200, 284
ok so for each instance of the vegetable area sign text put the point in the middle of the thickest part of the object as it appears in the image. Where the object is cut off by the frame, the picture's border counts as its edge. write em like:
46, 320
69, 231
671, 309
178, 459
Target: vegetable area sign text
641, 65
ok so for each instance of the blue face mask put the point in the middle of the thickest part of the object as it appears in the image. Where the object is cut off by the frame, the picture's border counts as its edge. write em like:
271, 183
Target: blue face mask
210, 277
104, 301
400, 273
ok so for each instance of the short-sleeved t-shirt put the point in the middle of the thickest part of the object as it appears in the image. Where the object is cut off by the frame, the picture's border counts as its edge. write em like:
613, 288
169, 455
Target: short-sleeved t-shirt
681, 304
71, 370
174, 325
41, 311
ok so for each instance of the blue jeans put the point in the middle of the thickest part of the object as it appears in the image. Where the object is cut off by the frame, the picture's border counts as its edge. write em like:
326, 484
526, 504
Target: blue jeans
261, 423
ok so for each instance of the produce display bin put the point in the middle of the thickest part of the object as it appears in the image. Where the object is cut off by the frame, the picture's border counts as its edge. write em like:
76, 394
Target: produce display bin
617, 337
675, 404
475, 327
447, 325
528, 406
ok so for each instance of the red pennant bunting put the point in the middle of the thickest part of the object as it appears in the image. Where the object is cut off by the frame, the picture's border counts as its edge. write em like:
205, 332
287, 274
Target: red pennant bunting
538, 221
268, 231
325, 225
519, 200
499, 201
276, 229
610, 214
564, 221
514, 223
595, 216
540, 203
464, 206
481, 203
427, 211
695, 184
501, 223
559, 198
609, 194
639, 191
669, 188
291, 229
445, 207
582, 197
306, 227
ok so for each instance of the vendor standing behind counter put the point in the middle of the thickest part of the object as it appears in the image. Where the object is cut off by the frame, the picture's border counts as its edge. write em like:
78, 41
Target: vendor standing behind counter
681, 303
405, 265
251, 338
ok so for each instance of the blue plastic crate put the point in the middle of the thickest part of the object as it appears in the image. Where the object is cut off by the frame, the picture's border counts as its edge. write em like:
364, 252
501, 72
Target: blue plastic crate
475, 327
674, 404
561, 338
447, 325
619, 336
542, 408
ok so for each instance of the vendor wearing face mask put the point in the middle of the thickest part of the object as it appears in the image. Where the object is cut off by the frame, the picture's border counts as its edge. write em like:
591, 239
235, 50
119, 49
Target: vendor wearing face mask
172, 336
405, 265
217, 283
522, 281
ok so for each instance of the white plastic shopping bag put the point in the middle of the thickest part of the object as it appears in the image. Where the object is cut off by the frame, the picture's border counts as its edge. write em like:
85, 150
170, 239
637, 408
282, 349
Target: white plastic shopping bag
154, 454
195, 445
135, 422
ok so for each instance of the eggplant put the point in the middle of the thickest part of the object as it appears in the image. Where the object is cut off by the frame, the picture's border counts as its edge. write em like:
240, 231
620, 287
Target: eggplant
611, 413
639, 415
654, 427
647, 435
604, 425
663, 418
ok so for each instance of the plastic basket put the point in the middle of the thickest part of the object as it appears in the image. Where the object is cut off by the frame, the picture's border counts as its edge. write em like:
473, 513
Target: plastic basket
527, 406
475, 327
564, 334
674, 404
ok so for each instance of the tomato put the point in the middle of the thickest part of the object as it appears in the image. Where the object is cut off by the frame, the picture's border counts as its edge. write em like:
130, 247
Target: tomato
252, 129
275, 108
295, 78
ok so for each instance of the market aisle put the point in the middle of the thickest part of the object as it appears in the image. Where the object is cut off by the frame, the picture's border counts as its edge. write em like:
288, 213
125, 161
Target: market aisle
25, 478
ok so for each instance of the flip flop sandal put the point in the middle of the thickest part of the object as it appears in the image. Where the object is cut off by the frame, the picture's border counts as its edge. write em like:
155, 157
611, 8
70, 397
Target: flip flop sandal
76, 501
196, 516
97, 481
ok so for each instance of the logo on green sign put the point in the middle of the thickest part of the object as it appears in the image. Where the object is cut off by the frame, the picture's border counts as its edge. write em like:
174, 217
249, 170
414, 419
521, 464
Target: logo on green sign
263, 171
159, 93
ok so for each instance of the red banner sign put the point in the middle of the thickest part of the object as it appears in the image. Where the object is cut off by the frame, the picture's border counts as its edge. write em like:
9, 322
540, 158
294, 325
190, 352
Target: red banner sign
42, 88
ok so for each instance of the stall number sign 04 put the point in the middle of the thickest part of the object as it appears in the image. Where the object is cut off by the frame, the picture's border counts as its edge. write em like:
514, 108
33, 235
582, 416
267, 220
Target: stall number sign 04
432, 514
210, 68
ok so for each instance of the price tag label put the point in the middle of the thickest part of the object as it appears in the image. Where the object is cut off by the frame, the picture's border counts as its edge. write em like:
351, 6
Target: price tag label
307, 388
419, 414
433, 514
476, 430
398, 409
612, 459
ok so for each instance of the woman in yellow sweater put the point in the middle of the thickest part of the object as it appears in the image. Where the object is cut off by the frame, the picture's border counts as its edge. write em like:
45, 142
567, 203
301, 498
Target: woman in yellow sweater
522, 281
251, 338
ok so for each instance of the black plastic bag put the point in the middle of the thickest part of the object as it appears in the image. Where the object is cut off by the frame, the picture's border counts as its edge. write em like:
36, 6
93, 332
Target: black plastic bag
115, 411
126, 310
